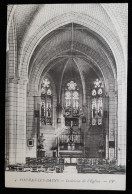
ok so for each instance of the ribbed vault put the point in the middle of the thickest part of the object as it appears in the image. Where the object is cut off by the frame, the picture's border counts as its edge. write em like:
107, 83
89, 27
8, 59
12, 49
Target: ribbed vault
86, 48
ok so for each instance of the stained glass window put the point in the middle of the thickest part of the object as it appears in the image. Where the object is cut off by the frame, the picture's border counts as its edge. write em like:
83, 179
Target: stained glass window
71, 85
46, 102
75, 99
68, 98
97, 103
71, 99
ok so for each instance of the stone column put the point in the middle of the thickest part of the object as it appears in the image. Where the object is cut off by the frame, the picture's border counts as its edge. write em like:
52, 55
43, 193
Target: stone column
112, 124
6, 112
84, 126
121, 140
106, 124
11, 102
116, 125
21, 121
33, 122
16, 119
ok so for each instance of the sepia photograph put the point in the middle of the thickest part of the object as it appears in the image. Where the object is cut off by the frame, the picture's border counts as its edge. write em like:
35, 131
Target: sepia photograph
66, 96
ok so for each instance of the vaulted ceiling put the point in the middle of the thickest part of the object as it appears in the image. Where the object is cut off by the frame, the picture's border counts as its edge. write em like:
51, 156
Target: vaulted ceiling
71, 46
30, 17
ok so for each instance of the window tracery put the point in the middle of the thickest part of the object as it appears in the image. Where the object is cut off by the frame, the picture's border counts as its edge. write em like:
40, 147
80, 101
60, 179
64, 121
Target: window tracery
97, 103
71, 99
46, 102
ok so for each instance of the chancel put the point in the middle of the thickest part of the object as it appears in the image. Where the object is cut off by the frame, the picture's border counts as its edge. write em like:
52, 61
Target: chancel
66, 87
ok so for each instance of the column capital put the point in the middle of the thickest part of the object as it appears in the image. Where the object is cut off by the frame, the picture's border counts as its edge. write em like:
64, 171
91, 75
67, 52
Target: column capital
16, 80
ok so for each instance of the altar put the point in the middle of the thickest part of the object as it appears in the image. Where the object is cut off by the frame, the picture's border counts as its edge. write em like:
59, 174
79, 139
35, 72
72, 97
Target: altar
71, 154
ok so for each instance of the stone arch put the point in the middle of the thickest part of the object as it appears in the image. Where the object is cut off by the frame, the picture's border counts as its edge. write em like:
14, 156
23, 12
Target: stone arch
94, 25
38, 71
109, 37
105, 33
118, 29
9, 21
91, 23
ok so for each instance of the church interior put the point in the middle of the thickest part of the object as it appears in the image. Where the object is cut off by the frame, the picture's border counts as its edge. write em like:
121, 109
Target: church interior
66, 85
